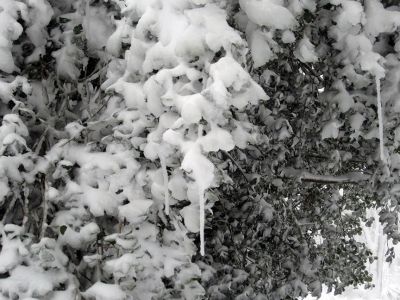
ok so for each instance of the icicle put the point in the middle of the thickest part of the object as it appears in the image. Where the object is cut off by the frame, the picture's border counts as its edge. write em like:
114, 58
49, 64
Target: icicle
165, 179
380, 250
380, 261
201, 202
380, 118
202, 221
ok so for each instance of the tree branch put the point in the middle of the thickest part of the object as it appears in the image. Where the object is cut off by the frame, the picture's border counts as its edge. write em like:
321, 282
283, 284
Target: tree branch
237, 165
305, 176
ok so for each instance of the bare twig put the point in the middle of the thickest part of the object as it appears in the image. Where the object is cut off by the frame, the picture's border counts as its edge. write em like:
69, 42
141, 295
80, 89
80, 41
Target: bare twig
38, 145
45, 206
237, 165
25, 207
9, 208
101, 107
304, 176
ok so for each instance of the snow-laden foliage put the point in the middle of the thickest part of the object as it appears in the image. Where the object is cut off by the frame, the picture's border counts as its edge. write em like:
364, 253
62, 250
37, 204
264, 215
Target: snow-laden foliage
190, 149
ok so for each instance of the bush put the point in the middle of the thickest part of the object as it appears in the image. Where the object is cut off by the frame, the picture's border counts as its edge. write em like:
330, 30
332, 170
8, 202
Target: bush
194, 149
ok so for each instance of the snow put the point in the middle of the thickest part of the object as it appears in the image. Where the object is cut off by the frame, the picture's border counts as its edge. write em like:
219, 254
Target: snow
191, 107
13, 143
77, 240
12, 124
199, 168
32, 282
342, 98
227, 73
193, 291
135, 211
351, 15
99, 201
122, 266
40, 14
379, 19
356, 122
120, 34
214, 32
103, 291
10, 255
305, 51
297, 6
202, 171
10, 30
133, 94
356, 47
191, 217
74, 129
270, 13
191, 84
331, 130
288, 37
177, 185
68, 59
260, 49
98, 27
217, 139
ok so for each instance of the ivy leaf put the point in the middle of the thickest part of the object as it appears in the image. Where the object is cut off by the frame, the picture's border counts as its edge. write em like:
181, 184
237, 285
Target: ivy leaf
78, 29
64, 20
63, 228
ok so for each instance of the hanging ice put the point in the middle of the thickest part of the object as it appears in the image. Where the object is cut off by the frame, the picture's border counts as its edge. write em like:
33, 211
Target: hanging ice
380, 118
201, 202
165, 178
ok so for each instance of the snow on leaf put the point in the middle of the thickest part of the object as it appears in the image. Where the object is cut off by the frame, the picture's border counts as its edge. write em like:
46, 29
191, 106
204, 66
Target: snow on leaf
100, 202
305, 51
244, 90
198, 166
97, 26
177, 186
103, 291
356, 122
288, 37
331, 130
32, 280
135, 211
122, 266
10, 30
40, 15
191, 110
343, 99
260, 49
191, 218
270, 13
217, 139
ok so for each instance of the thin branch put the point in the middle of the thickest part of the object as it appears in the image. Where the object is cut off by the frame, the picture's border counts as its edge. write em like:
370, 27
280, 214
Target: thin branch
37, 147
98, 111
9, 209
237, 165
304, 176
309, 69
25, 207
45, 206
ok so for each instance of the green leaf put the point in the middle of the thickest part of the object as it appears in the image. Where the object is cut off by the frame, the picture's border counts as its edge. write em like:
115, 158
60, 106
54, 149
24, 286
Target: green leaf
64, 20
63, 228
308, 16
78, 29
